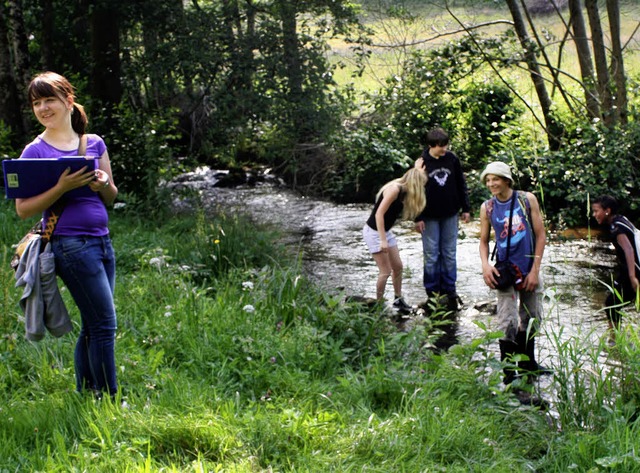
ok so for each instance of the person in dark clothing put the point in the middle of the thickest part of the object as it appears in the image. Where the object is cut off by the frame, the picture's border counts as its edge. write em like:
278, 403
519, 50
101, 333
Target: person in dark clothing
446, 192
624, 287
403, 197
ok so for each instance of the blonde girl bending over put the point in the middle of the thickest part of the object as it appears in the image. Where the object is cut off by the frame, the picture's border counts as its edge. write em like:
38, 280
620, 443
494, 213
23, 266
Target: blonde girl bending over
403, 197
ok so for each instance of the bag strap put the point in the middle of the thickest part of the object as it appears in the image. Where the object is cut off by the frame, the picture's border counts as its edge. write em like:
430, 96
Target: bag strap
513, 201
58, 206
82, 147
626, 223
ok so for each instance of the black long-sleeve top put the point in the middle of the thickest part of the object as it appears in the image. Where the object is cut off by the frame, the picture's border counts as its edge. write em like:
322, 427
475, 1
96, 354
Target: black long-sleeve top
446, 188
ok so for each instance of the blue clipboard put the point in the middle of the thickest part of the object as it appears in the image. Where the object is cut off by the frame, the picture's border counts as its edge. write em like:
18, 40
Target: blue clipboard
28, 177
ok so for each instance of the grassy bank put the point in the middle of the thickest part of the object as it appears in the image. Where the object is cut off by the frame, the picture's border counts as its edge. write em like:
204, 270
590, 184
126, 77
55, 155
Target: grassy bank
230, 361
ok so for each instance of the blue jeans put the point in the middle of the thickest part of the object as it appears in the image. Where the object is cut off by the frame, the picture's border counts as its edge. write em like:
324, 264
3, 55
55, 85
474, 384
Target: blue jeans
439, 241
87, 266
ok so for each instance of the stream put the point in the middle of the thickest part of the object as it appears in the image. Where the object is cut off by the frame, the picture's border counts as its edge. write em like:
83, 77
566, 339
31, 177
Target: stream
335, 257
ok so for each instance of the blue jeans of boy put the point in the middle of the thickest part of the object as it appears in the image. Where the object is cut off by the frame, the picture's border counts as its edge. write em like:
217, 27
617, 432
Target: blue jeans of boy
439, 241
87, 267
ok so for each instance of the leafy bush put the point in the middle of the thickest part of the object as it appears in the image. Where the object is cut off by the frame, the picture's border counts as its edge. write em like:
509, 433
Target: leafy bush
486, 113
6, 149
140, 147
363, 163
593, 161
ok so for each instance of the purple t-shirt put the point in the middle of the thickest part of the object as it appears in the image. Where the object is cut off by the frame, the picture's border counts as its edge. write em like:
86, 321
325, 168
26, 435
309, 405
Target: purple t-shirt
81, 215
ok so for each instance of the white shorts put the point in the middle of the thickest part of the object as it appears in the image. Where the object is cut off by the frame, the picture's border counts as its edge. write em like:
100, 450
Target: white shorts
372, 239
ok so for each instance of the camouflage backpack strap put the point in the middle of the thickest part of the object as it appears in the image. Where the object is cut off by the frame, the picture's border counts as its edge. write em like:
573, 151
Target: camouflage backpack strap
524, 203
58, 206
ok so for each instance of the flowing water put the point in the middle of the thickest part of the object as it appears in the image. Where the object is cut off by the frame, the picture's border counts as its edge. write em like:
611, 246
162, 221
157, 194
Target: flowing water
334, 256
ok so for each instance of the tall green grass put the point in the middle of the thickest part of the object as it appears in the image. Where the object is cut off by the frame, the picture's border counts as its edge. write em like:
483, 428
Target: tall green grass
237, 363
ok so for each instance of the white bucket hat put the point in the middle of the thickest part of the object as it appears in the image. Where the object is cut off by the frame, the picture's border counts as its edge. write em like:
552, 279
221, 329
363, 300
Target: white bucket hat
497, 168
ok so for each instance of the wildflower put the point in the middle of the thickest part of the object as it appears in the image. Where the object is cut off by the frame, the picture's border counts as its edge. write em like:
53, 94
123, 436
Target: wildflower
156, 262
216, 241
272, 359
247, 285
249, 308
490, 442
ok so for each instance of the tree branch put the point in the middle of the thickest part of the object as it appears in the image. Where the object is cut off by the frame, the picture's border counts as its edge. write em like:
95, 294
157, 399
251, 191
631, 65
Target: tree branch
633, 33
495, 69
465, 29
554, 72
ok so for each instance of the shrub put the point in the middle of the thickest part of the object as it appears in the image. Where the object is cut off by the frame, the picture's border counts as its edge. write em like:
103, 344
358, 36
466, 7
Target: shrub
593, 161
363, 164
139, 143
6, 148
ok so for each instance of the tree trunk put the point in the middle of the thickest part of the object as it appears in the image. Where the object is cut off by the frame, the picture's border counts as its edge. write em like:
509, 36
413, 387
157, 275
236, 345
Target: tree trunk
20, 50
602, 72
105, 51
47, 25
10, 112
160, 20
584, 58
241, 40
292, 65
617, 62
552, 127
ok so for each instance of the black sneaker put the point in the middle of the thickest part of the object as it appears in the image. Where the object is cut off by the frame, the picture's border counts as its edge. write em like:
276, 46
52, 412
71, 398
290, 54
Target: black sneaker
401, 305
453, 302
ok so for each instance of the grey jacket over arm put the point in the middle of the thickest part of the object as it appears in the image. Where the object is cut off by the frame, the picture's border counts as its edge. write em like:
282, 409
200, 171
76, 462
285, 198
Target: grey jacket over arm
41, 301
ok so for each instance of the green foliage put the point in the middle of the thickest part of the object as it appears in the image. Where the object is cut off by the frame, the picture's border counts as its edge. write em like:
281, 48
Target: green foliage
139, 143
364, 162
6, 149
486, 111
595, 160
226, 83
414, 102
67, 42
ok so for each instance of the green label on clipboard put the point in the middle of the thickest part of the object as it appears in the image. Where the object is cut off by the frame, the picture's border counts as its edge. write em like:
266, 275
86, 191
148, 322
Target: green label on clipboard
12, 181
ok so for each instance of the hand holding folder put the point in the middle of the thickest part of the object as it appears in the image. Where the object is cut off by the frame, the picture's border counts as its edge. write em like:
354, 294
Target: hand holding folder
28, 177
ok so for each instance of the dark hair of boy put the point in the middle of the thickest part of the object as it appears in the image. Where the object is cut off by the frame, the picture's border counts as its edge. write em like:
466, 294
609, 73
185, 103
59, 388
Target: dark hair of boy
437, 137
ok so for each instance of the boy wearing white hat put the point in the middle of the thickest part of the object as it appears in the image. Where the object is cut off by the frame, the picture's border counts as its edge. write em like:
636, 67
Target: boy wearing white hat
519, 306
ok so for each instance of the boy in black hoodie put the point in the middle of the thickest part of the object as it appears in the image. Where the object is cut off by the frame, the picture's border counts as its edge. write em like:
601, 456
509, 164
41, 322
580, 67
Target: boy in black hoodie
447, 194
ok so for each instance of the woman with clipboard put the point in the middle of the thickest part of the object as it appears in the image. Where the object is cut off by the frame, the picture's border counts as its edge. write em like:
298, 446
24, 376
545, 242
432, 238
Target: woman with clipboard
84, 256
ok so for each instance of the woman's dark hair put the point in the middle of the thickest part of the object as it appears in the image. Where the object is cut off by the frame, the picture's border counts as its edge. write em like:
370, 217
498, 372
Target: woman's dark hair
50, 84
607, 202
437, 137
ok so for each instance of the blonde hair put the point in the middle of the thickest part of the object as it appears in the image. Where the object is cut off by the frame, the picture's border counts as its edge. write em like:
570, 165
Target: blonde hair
412, 184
